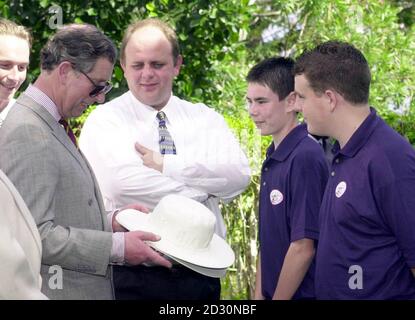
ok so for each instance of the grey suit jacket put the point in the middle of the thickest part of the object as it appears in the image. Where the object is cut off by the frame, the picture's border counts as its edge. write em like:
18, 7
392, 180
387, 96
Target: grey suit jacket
20, 247
61, 192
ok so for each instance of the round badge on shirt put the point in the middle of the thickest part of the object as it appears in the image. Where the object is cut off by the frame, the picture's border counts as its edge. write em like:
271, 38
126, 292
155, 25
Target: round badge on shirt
341, 189
276, 197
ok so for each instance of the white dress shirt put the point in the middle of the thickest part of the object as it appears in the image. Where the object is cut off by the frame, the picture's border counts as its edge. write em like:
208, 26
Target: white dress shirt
6, 110
209, 164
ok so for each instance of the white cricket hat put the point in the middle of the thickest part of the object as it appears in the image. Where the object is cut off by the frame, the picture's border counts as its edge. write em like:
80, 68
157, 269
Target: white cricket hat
186, 228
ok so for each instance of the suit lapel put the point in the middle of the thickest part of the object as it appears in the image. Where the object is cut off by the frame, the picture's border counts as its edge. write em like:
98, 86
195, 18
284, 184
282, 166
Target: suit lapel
97, 193
59, 132
56, 129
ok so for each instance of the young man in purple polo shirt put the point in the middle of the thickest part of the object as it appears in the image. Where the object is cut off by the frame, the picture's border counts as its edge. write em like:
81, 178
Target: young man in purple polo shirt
366, 247
293, 178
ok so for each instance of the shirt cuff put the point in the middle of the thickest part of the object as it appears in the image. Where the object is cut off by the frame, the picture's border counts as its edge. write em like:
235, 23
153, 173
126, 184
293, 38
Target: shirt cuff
109, 219
117, 250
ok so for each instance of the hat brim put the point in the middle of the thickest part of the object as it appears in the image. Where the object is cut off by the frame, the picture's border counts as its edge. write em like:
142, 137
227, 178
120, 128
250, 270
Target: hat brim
209, 272
218, 255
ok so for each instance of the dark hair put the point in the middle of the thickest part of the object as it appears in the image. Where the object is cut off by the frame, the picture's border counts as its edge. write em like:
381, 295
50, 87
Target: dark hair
152, 22
339, 66
275, 73
80, 44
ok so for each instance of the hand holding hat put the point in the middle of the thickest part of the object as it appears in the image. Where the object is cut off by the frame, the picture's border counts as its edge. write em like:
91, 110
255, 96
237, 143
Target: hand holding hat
186, 228
141, 252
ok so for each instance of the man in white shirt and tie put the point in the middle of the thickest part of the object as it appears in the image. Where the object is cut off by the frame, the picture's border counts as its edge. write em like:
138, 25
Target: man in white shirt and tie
148, 143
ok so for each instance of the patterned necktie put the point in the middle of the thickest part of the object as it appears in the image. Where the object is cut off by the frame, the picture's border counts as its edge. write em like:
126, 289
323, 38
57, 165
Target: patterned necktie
69, 131
166, 142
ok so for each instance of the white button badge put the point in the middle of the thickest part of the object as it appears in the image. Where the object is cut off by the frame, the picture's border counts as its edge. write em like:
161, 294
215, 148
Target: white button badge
341, 189
276, 197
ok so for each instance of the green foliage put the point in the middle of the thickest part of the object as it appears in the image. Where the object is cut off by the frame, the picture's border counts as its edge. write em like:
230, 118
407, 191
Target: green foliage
407, 11
402, 123
373, 28
241, 215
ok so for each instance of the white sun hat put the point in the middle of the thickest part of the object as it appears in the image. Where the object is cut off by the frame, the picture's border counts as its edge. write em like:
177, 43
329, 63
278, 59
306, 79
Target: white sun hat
186, 228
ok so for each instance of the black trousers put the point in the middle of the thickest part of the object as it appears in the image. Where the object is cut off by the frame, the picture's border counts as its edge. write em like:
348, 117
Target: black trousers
160, 283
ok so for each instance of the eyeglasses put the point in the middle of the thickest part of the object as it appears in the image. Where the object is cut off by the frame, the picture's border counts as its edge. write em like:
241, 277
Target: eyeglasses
99, 88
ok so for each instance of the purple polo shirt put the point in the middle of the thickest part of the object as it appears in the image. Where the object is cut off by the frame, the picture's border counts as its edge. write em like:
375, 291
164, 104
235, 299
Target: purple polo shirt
293, 179
367, 218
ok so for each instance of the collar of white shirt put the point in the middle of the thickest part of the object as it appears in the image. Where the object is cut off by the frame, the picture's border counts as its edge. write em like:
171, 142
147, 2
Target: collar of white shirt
148, 113
6, 110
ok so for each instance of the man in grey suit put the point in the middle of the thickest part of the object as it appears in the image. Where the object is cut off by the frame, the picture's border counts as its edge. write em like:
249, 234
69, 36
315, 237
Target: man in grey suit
80, 240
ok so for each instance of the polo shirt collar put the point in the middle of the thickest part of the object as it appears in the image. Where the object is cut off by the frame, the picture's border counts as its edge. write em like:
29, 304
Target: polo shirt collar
288, 144
360, 136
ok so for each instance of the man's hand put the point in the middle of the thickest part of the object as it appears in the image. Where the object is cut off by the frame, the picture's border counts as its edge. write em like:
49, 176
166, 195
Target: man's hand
116, 227
137, 251
150, 158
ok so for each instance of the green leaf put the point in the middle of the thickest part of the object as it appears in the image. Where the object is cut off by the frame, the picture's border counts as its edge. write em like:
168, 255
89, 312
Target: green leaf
118, 73
44, 3
183, 37
91, 12
150, 6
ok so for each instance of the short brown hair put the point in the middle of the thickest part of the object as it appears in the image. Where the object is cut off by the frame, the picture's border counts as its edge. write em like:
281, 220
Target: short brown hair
339, 66
10, 28
153, 22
